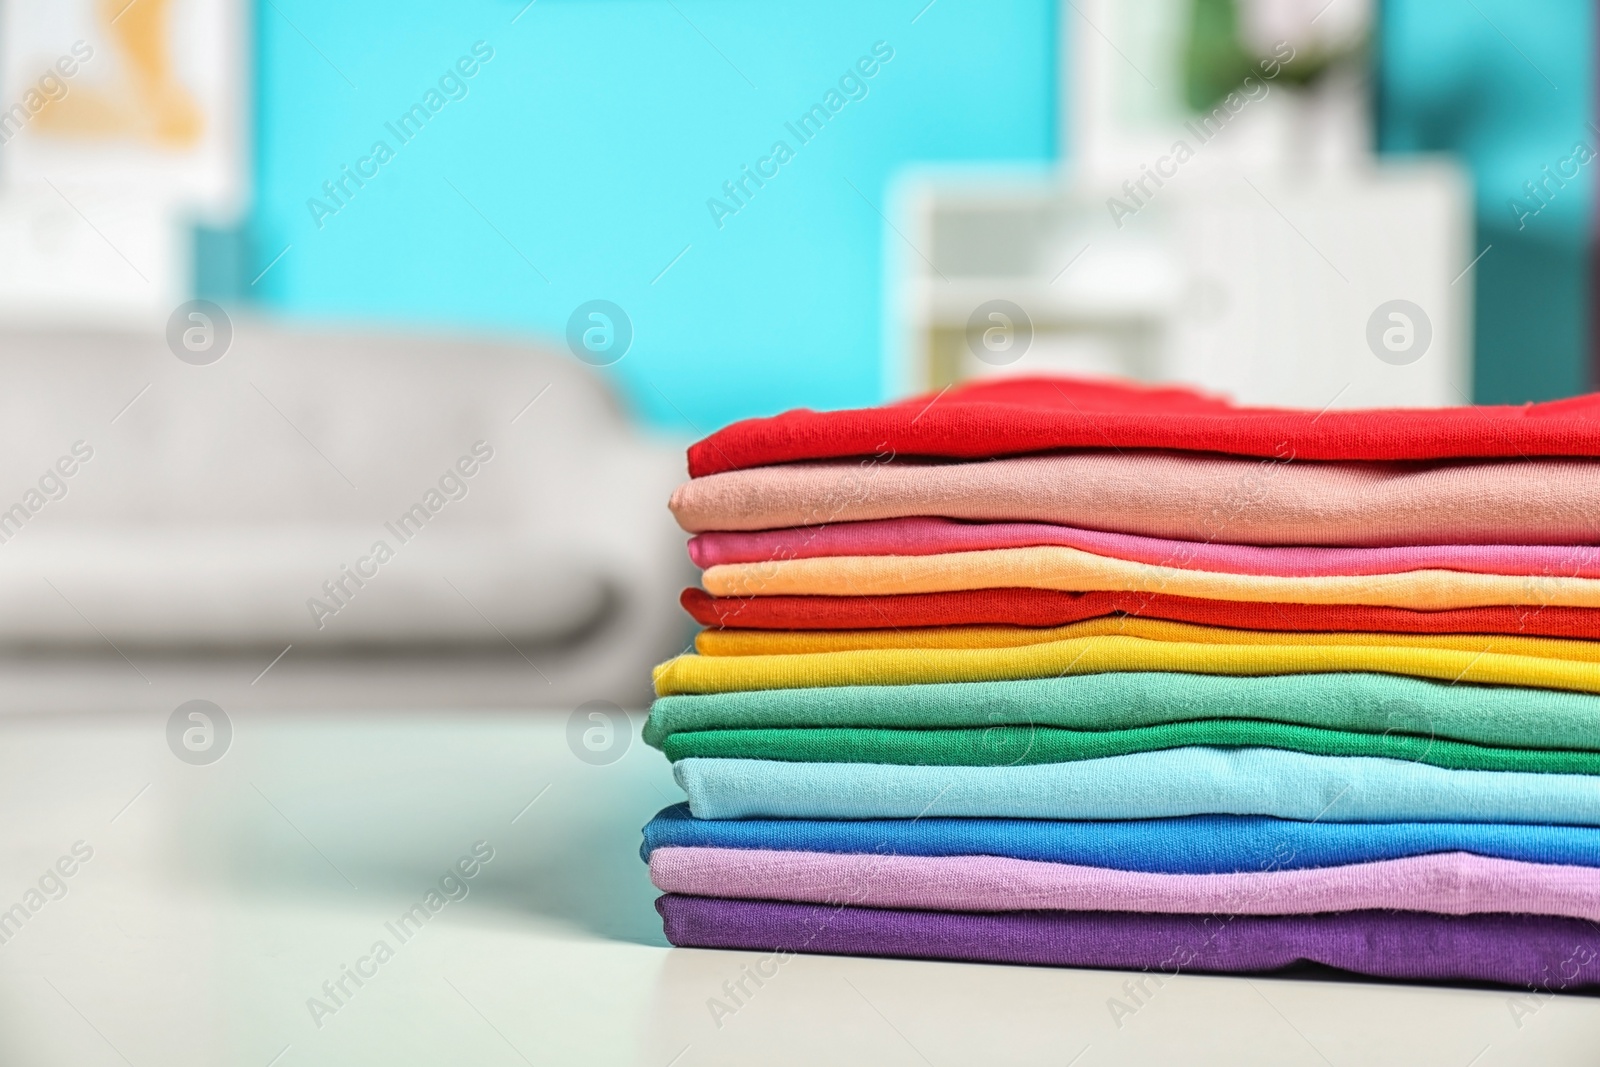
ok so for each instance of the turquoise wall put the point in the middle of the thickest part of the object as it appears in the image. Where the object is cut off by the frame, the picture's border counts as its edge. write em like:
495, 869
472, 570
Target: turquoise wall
585, 151
1510, 86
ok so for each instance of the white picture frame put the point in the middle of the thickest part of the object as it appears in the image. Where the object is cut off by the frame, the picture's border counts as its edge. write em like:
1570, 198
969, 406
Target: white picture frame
155, 103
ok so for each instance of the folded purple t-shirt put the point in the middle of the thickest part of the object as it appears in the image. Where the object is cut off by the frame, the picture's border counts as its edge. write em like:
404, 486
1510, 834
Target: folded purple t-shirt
1530, 952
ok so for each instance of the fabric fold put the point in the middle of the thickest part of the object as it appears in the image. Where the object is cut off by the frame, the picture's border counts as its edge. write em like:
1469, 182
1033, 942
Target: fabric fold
1372, 703
1045, 607
1147, 785
932, 537
983, 419
1177, 496
1541, 953
1096, 655
1451, 883
810, 642
1072, 570
1192, 844
1022, 746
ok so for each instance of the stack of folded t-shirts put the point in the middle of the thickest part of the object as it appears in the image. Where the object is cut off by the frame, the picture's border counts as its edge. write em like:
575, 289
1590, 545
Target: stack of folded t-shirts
1055, 672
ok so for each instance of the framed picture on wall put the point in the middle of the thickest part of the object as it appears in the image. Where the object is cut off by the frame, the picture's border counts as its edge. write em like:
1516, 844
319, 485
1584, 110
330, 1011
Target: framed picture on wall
147, 96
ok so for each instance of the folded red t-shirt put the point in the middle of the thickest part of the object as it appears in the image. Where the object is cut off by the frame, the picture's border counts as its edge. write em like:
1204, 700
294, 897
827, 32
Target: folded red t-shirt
1011, 416
1044, 607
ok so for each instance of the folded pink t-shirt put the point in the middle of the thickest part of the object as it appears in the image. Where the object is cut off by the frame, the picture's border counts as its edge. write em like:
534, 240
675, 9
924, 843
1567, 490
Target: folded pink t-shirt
1178, 496
930, 537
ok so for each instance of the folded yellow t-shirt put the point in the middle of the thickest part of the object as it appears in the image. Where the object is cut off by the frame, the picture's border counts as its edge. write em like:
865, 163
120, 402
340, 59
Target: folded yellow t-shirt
1073, 570
1094, 655
800, 642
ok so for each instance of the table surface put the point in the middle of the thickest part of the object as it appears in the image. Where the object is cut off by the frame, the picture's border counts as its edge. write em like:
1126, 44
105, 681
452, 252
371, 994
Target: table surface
220, 898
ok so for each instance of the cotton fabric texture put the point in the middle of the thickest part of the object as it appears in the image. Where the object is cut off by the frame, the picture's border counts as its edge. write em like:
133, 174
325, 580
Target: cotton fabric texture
756, 643
979, 420
1449, 883
1020, 746
1194, 844
1057, 672
932, 537
1096, 655
1536, 952
1043, 607
1146, 785
1179, 496
1054, 567
1372, 703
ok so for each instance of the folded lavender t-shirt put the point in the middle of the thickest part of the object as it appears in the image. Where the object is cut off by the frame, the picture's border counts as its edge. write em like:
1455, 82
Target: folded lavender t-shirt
1449, 883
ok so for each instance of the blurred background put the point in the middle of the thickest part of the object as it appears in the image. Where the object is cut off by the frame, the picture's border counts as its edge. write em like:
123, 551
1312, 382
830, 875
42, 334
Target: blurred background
348, 353
284, 282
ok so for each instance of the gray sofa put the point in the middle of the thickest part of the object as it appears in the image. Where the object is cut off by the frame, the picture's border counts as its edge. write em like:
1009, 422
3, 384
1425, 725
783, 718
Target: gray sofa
380, 499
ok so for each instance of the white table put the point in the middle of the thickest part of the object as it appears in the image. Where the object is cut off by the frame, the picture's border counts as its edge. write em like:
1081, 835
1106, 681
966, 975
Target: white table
219, 898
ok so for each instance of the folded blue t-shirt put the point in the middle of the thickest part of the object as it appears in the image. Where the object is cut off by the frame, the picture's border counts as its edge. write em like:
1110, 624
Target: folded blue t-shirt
1194, 844
1144, 785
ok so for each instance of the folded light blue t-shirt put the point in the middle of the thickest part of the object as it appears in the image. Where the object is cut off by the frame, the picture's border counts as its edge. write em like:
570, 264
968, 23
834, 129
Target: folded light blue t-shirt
1144, 785
1193, 844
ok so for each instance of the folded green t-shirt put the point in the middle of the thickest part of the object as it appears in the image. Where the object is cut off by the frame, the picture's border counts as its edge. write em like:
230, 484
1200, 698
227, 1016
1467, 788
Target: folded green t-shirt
1503, 716
1003, 746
